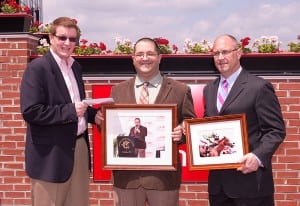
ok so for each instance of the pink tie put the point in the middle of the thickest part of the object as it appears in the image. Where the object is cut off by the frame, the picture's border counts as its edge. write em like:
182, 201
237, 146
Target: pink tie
223, 93
144, 97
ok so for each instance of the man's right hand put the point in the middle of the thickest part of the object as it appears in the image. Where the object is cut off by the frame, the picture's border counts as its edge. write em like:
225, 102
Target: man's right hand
80, 108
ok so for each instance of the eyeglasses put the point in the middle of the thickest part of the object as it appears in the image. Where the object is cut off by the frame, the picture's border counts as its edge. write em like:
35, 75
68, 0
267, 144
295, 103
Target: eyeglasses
224, 52
147, 55
64, 38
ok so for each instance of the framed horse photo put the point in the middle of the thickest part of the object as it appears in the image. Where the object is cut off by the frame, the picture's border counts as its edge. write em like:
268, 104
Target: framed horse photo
138, 137
217, 142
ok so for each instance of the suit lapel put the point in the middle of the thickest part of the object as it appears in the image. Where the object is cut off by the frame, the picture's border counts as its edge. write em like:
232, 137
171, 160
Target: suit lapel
214, 95
164, 91
131, 91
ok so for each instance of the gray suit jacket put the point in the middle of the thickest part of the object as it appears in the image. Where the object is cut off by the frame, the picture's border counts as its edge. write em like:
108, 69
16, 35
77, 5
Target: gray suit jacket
171, 92
256, 98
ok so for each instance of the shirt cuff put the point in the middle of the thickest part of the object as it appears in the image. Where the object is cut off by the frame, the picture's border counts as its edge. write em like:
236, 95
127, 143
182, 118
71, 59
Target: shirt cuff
259, 162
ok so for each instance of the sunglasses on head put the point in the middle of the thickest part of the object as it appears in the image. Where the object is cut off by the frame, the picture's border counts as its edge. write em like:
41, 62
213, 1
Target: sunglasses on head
64, 38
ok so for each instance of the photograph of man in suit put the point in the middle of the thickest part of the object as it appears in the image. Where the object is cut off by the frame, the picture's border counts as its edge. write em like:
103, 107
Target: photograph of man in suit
237, 91
139, 132
57, 150
158, 188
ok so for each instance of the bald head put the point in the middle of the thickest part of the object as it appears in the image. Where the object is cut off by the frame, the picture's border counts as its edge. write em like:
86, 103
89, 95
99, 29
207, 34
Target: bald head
226, 54
228, 38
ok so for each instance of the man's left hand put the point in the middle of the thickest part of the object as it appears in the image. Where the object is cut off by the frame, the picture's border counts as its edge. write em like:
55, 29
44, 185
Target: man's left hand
98, 118
177, 133
249, 163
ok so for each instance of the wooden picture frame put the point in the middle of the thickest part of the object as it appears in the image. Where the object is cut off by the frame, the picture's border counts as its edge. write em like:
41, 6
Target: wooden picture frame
122, 149
217, 142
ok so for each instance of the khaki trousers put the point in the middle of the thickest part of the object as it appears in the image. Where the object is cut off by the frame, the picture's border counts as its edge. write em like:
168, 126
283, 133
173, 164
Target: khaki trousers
73, 192
139, 197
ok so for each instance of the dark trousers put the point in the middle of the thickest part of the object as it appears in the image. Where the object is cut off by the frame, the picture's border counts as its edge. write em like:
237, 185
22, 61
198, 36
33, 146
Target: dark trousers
222, 199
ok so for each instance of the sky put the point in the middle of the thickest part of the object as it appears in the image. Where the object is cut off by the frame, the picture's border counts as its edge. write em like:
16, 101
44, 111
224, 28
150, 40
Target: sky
177, 20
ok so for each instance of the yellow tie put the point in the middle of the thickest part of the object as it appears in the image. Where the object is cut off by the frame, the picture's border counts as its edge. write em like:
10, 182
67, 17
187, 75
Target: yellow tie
144, 97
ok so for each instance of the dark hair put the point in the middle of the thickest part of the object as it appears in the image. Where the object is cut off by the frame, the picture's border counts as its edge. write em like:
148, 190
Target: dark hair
149, 40
65, 22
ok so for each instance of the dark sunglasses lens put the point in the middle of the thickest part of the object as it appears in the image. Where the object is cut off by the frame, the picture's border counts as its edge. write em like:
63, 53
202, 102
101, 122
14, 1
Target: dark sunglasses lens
72, 39
64, 38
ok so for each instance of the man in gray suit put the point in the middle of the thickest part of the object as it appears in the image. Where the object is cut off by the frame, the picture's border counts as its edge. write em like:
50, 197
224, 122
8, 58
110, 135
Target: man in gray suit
159, 188
252, 183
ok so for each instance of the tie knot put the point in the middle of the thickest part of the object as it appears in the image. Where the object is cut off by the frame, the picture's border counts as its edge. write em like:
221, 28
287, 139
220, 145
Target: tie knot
146, 84
225, 84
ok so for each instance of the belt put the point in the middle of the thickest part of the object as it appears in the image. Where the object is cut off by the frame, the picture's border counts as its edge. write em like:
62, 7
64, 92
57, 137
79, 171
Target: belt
79, 136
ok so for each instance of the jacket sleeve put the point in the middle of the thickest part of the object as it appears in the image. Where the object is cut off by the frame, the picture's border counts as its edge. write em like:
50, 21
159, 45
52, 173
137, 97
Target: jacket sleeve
270, 122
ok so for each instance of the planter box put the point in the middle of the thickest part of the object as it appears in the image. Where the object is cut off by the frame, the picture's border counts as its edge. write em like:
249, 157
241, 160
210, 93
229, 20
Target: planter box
276, 64
15, 22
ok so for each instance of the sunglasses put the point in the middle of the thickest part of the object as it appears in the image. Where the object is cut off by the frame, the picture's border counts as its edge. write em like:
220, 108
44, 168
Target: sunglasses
64, 38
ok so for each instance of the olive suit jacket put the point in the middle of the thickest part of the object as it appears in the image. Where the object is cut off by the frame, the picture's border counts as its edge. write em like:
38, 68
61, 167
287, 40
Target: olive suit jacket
171, 92
256, 98
51, 120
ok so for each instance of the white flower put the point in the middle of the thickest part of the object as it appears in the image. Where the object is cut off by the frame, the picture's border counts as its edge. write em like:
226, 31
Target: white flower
203, 46
44, 42
267, 44
124, 46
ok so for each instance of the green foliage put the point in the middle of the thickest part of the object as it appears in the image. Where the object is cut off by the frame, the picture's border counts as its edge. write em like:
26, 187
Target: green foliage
198, 48
267, 48
6, 8
41, 50
79, 50
294, 47
164, 49
123, 49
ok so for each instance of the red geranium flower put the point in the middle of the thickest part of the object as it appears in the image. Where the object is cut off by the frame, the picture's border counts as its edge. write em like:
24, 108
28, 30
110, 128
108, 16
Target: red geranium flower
83, 41
102, 46
74, 20
93, 45
162, 41
175, 48
245, 41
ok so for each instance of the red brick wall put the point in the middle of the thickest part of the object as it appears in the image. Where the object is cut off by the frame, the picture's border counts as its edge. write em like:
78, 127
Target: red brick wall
15, 185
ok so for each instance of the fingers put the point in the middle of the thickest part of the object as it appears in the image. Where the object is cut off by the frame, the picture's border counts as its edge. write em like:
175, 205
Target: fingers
249, 163
80, 108
98, 117
177, 133
183, 128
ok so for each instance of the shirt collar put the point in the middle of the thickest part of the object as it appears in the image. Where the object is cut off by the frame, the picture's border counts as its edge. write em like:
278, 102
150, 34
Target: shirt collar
231, 79
60, 61
154, 82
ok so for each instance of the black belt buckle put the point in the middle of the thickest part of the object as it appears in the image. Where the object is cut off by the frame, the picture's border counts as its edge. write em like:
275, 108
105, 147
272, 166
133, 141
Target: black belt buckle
79, 136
